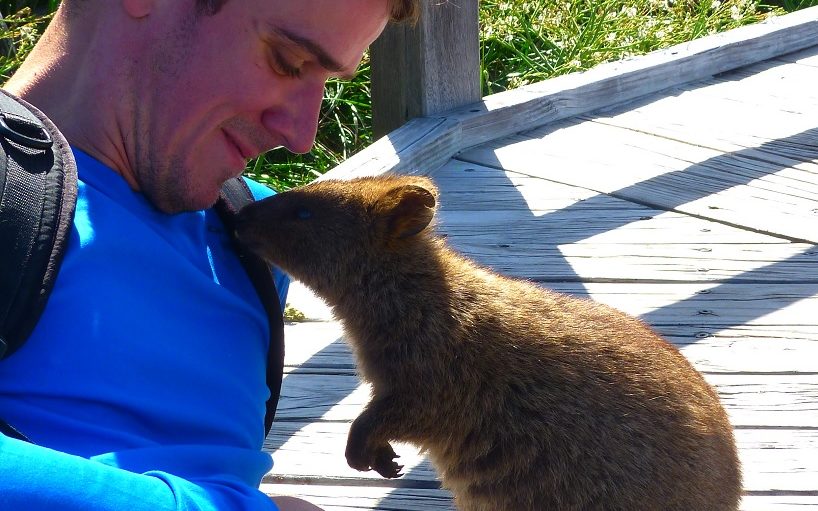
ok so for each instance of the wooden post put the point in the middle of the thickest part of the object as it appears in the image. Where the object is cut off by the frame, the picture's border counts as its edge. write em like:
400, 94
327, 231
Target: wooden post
428, 68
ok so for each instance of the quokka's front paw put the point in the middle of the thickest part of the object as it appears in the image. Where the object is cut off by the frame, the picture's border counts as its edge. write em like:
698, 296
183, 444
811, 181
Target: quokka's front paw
381, 459
384, 463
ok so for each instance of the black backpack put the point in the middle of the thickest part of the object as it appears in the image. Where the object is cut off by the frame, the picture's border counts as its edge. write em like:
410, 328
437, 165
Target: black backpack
38, 192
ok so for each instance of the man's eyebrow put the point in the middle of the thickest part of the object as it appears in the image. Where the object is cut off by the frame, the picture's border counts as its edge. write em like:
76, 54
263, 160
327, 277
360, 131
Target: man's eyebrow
324, 58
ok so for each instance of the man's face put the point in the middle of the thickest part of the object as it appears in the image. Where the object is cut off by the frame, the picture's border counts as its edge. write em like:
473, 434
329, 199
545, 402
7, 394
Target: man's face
225, 88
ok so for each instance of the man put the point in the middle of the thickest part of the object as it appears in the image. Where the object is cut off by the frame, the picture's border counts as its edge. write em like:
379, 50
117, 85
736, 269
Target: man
143, 385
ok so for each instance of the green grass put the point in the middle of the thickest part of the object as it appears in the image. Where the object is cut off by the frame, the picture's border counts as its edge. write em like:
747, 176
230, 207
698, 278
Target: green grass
530, 41
522, 41
19, 31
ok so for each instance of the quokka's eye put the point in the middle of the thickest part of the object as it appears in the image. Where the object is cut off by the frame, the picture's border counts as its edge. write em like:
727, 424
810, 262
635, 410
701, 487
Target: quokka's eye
303, 213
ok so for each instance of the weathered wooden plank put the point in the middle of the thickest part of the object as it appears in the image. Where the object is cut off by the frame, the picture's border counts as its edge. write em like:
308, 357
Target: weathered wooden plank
355, 498
705, 305
492, 204
504, 194
562, 148
494, 215
779, 502
665, 174
770, 80
763, 112
575, 94
807, 57
752, 400
763, 309
588, 262
426, 68
319, 348
526, 258
708, 305
735, 128
769, 84
772, 460
787, 400
593, 225
778, 460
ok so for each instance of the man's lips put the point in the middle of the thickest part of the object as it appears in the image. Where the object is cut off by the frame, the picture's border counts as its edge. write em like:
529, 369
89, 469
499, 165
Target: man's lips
245, 151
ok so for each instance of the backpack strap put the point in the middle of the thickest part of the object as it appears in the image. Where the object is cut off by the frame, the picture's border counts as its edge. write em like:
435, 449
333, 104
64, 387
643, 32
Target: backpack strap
234, 195
38, 193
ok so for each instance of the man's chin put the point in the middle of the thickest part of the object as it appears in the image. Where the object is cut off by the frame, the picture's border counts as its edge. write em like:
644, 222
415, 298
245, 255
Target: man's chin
205, 203
182, 204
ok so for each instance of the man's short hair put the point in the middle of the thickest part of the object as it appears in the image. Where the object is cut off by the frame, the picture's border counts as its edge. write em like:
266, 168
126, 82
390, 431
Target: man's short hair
399, 10
404, 10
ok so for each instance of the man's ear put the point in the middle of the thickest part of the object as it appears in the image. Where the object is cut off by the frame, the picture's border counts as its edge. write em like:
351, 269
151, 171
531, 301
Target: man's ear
405, 210
138, 8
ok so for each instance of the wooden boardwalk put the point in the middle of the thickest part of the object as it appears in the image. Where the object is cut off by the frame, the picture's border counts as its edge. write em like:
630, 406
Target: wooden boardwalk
693, 206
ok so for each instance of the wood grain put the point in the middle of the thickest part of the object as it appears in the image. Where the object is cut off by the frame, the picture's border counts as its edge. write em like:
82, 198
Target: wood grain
426, 68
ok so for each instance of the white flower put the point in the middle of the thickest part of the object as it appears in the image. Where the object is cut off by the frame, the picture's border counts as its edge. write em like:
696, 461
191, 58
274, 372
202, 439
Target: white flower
735, 13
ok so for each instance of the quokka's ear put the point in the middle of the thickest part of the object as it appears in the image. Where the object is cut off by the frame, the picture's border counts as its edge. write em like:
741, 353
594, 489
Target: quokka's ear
405, 210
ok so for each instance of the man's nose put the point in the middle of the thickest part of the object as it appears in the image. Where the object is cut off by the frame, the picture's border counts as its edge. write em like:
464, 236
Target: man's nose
297, 118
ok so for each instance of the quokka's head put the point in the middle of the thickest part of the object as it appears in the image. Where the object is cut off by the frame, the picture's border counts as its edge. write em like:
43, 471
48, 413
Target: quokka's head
328, 233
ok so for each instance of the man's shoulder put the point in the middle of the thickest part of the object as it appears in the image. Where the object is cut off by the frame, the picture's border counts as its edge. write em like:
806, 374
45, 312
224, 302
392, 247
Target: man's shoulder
258, 190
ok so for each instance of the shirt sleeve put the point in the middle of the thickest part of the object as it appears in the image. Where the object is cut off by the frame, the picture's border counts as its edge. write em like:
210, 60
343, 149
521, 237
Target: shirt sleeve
36, 478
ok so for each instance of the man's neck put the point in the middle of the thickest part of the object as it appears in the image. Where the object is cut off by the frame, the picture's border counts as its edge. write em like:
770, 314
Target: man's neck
62, 76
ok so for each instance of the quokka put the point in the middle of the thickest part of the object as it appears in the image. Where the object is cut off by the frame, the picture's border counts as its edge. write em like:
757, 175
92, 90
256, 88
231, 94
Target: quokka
523, 398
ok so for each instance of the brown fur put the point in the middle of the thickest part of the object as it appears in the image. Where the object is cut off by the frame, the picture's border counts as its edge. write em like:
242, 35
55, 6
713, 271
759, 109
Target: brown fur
524, 399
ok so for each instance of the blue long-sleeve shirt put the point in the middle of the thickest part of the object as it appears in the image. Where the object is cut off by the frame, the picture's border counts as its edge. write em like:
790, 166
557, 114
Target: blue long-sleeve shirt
143, 385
